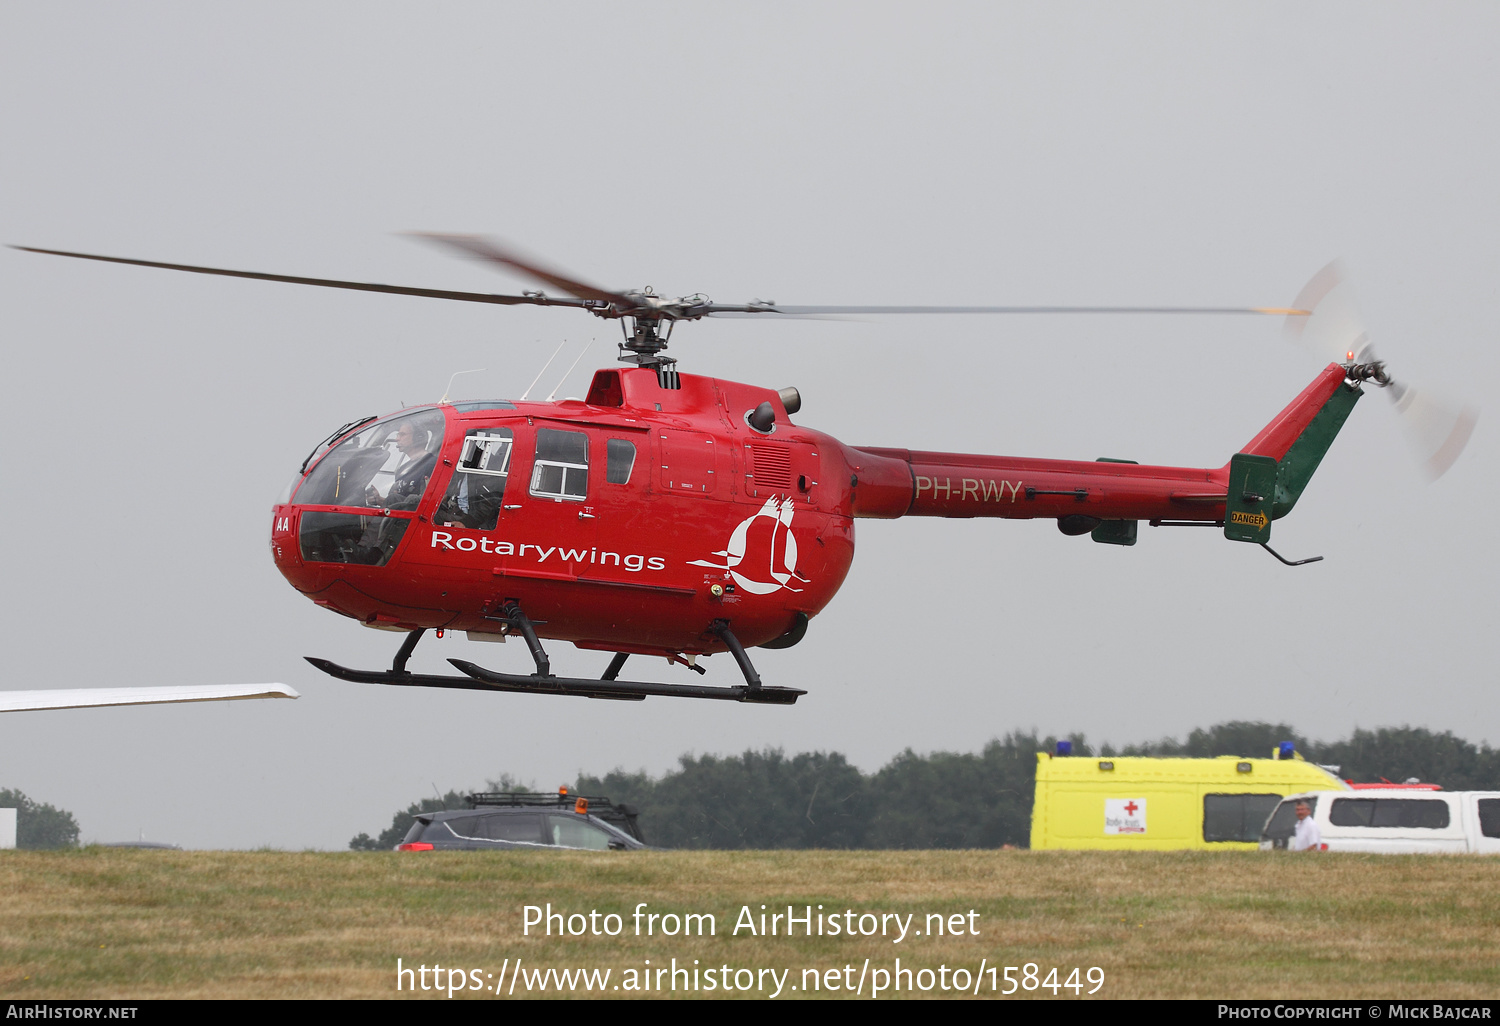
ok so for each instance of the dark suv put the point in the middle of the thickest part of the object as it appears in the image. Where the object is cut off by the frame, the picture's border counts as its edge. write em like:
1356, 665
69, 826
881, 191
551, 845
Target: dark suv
512, 820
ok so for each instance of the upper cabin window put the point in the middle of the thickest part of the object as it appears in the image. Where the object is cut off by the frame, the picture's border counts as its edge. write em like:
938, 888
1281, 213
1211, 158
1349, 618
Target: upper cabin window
385, 466
620, 458
471, 405
561, 470
477, 489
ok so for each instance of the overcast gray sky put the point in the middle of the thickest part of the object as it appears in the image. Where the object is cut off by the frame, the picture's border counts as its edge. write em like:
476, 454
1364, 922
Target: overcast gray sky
806, 153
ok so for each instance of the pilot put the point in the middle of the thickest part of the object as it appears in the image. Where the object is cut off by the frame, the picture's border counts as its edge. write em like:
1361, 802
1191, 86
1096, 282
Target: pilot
412, 441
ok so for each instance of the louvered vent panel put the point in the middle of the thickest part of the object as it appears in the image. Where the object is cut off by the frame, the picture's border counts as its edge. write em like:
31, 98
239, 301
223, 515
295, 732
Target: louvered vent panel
771, 465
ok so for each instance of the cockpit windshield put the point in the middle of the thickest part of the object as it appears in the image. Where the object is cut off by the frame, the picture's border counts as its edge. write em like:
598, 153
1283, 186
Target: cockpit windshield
385, 466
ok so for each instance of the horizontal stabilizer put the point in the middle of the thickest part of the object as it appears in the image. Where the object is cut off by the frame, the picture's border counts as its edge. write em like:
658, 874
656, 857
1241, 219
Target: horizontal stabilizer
85, 698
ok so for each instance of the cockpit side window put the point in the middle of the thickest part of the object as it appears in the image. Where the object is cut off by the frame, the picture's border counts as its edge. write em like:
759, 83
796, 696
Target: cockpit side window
561, 470
477, 490
385, 466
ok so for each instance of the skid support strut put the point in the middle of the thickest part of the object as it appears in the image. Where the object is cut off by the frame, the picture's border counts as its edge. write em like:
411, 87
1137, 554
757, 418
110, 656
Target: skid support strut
543, 682
398, 664
519, 622
721, 630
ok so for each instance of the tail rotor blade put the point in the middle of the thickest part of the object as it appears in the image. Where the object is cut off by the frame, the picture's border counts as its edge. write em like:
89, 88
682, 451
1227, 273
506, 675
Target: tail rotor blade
1437, 427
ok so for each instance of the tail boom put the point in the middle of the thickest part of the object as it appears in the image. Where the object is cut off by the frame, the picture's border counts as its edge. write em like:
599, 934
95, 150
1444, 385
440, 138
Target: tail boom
963, 485
900, 482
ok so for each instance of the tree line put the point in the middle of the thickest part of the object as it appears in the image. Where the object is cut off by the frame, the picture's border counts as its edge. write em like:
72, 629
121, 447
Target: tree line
767, 799
38, 825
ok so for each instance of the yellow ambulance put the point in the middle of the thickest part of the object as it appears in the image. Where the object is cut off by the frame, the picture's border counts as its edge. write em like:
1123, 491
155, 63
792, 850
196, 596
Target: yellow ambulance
1138, 803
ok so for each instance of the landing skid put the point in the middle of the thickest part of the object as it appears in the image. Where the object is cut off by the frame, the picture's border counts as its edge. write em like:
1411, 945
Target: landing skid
543, 682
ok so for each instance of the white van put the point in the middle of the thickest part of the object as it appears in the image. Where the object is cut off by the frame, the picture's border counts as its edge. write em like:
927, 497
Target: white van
1393, 821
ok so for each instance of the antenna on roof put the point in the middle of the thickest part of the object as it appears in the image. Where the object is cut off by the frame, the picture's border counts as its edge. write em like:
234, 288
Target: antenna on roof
444, 400
543, 370
570, 371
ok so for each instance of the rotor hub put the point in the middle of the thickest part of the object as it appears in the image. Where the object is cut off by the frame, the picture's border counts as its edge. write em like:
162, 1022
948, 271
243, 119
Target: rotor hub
645, 340
1373, 371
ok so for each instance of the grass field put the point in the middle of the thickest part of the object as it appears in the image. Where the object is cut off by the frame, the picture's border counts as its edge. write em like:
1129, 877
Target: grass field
153, 924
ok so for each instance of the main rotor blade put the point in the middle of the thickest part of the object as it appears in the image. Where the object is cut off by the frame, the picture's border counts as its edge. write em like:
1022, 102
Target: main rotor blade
803, 311
1334, 330
398, 290
496, 253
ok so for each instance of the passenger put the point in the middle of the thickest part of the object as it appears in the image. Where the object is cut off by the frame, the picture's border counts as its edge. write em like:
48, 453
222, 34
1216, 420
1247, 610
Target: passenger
473, 501
1307, 836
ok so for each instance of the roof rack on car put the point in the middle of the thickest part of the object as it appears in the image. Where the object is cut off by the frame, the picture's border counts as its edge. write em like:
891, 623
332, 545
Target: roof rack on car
618, 814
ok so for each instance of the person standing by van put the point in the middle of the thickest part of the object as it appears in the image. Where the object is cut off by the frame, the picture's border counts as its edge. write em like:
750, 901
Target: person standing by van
1307, 836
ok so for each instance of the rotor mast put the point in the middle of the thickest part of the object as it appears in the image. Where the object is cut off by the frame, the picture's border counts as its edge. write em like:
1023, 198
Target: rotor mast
646, 329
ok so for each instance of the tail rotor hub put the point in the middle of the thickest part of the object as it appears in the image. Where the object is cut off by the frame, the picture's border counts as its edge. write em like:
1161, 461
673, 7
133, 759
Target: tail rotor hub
1373, 371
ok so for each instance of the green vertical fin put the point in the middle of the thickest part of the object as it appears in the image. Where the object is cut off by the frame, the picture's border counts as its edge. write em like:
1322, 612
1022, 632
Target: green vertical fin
1307, 451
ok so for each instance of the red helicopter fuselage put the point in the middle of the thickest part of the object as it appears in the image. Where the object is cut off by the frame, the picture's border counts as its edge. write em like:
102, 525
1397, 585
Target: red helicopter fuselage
633, 520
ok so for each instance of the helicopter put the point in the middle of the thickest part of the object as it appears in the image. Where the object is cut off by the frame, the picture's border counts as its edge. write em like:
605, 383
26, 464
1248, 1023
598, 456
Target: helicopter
678, 515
